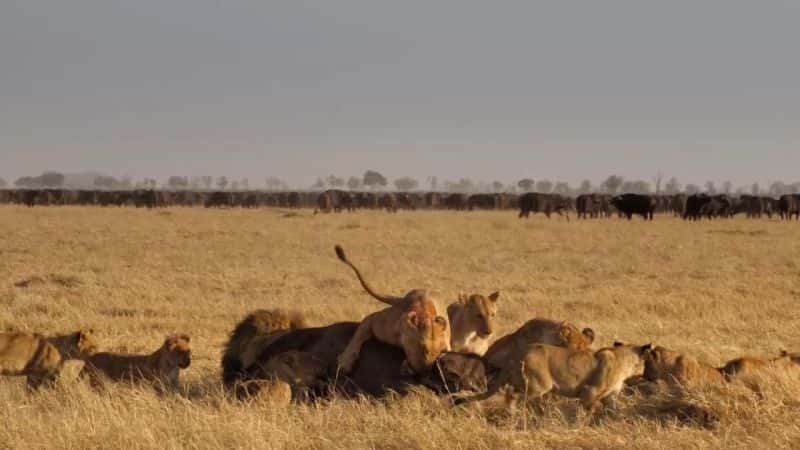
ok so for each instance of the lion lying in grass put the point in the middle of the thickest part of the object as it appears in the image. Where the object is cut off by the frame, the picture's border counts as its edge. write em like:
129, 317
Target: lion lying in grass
514, 346
662, 364
593, 377
39, 358
161, 368
411, 322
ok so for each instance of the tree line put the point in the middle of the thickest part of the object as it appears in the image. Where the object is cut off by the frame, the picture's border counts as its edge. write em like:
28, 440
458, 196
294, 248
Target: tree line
374, 180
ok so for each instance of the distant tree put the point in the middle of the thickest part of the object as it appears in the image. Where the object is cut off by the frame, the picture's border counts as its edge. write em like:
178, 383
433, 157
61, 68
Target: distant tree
3, 183
319, 184
405, 184
27, 182
657, 181
711, 188
692, 189
497, 186
374, 179
586, 187
794, 187
105, 182
727, 187
335, 182
222, 182
755, 189
195, 183
526, 184
52, 179
235, 185
562, 188
778, 188
463, 185
274, 183
207, 181
613, 183
673, 186
176, 182
354, 183
544, 186
433, 182
126, 182
244, 183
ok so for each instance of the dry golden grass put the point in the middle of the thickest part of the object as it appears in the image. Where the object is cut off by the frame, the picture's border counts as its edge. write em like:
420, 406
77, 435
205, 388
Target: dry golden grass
715, 289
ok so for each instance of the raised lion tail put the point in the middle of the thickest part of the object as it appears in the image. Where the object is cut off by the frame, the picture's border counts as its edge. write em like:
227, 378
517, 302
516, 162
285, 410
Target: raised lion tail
258, 324
389, 300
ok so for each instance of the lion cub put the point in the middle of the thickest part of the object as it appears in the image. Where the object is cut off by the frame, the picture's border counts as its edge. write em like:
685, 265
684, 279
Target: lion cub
411, 322
674, 367
593, 377
39, 358
513, 347
162, 367
472, 323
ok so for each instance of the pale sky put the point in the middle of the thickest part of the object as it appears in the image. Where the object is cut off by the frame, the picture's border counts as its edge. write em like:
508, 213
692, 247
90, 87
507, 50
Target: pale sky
563, 90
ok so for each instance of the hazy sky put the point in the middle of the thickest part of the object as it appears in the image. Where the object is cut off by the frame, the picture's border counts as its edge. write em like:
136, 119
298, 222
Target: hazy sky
562, 89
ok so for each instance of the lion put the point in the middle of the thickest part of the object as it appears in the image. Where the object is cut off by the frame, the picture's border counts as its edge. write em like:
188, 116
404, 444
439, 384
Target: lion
749, 367
252, 335
514, 346
472, 323
162, 367
592, 376
411, 322
676, 368
39, 358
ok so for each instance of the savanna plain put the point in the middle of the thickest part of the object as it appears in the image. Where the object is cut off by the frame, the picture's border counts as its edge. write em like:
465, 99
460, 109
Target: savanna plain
716, 290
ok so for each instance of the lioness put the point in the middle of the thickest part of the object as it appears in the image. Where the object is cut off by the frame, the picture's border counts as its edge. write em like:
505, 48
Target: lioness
254, 333
514, 346
161, 367
472, 322
748, 366
41, 358
411, 322
674, 367
591, 376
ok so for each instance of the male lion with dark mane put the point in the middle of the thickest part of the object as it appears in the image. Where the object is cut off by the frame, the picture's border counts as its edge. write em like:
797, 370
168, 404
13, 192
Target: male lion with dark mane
411, 322
41, 358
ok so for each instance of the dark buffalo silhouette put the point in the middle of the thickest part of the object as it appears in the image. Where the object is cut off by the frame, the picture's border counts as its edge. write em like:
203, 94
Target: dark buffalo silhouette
535, 202
630, 204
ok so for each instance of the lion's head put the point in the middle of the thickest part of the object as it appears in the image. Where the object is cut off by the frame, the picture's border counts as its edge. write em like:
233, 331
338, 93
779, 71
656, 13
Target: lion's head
660, 364
575, 339
78, 345
424, 335
479, 312
176, 351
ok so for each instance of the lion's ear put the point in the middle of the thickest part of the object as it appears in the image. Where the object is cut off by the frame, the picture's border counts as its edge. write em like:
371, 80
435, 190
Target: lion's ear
494, 296
412, 318
645, 349
565, 330
589, 334
618, 344
463, 298
186, 338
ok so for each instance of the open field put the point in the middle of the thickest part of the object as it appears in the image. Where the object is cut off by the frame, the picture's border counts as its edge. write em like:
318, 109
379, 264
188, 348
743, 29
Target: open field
715, 289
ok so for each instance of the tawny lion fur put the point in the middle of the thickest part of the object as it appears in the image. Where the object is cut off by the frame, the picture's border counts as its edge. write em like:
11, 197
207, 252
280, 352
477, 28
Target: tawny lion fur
411, 322
472, 323
39, 358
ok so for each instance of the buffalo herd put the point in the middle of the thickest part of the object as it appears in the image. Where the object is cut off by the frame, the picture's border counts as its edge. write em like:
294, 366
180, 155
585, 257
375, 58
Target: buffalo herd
586, 206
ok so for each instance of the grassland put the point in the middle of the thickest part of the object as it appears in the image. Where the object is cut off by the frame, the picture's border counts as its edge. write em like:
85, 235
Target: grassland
714, 289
